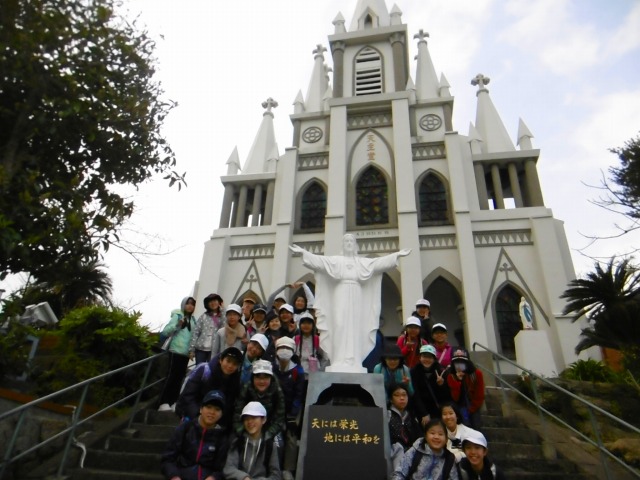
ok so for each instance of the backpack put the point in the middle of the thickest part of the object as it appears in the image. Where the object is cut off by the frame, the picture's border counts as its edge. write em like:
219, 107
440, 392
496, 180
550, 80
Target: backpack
449, 461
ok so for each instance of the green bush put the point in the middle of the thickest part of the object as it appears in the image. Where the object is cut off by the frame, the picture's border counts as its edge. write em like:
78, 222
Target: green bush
589, 371
14, 352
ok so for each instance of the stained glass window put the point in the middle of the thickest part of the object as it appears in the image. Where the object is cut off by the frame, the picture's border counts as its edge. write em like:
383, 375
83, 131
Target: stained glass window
313, 207
433, 201
372, 198
508, 316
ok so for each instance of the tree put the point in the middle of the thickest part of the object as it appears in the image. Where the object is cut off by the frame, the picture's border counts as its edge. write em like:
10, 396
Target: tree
627, 177
610, 298
80, 117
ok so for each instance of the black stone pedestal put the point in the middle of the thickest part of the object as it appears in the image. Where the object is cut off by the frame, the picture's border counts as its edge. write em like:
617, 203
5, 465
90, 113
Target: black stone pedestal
344, 432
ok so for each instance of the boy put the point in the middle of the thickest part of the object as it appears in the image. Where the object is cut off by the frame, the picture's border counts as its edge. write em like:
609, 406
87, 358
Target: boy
477, 465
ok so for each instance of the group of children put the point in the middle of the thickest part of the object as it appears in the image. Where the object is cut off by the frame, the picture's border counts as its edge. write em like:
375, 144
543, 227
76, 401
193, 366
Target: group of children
252, 365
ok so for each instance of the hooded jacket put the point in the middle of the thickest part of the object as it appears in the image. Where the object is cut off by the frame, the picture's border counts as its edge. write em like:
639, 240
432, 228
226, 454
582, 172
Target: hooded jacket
181, 334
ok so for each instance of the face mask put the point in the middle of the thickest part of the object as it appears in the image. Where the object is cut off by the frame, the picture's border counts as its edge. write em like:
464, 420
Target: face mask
460, 367
284, 354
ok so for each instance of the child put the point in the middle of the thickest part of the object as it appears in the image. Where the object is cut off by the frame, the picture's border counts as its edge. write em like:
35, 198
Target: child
430, 382
273, 333
256, 348
410, 342
312, 357
257, 322
198, 448
206, 327
456, 431
477, 465
233, 332
253, 454
428, 458
443, 349
404, 429
289, 327
392, 369
302, 303
422, 313
467, 388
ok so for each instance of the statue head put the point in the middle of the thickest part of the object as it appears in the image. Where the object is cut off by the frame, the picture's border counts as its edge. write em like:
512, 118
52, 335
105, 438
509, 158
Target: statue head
349, 245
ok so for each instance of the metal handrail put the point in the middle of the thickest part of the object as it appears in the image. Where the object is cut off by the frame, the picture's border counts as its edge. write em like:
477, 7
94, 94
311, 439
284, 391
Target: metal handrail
604, 452
76, 421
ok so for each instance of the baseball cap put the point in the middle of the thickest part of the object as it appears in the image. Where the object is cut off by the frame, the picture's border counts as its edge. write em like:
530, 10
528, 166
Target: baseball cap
259, 307
234, 307
286, 342
423, 303
440, 326
430, 349
413, 321
261, 340
233, 352
475, 437
214, 397
254, 409
286, 307
262, 366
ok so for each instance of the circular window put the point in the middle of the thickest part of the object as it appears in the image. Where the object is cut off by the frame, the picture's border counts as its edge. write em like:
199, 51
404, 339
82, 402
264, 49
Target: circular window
430, 122
312, 135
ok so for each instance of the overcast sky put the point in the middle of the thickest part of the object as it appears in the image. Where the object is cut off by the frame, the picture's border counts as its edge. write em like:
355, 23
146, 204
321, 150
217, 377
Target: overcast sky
569, 69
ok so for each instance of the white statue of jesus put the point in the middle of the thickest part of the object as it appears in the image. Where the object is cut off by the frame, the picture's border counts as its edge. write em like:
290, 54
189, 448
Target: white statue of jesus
347, 301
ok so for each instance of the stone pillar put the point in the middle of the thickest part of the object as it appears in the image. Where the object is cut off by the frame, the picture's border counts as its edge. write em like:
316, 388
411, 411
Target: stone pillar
335, 221
497, 186
241, 218
337, 50
256, 208
481, 185
268, 208
225, 214
234, 210
448, 117
515, 185
296, 132
533, 183
399, 62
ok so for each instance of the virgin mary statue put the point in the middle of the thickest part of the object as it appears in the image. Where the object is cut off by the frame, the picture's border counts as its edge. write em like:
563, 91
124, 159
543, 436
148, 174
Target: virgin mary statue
347, 301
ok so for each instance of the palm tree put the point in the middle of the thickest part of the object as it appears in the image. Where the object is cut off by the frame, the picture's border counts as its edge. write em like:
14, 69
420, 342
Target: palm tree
610, 299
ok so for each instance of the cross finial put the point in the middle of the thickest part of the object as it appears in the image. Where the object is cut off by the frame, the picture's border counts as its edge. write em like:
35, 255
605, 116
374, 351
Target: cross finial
269, 103
481, 81
319, 50
421, 35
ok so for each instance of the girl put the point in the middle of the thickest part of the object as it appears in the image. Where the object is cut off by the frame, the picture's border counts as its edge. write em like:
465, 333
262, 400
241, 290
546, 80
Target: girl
302, 303
404, 429
273, 333
456, 431
206, 327
233, 332
410, 342
392, 368
467, 388
179, 328
312, 357
476, 465
430, 382
428, 458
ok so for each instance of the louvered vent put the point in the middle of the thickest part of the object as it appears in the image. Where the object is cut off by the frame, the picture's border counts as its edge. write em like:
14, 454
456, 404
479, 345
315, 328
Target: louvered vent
368, 72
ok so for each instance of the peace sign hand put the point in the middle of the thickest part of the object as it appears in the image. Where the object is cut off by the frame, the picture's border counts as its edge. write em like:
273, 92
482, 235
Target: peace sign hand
439, 379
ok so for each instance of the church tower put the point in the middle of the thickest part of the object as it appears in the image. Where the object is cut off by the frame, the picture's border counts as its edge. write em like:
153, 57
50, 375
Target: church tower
375, 154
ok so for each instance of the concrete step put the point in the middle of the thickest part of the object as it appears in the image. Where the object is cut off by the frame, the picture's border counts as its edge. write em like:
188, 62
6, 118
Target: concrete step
119, 443
94, 474
511, 450
153, 431
498, 421
122, 461
153, 417
510, 434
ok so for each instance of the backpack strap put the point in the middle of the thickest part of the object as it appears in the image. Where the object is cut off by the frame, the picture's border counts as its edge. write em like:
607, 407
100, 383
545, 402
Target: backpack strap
417, 456
268, 450
449, 461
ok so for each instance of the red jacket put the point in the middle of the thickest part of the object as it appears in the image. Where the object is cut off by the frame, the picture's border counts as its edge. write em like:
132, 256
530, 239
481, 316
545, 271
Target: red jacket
411, 353
474, 385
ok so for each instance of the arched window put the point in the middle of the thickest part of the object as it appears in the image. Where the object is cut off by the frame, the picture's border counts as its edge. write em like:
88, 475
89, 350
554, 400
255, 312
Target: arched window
508, 319
372, 198
313, 207
368, 70
433, 201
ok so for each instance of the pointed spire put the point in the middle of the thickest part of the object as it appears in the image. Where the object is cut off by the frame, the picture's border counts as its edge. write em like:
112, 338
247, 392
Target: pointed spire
396, 15
318, 84
488, 121
475, 141
444, 87
233, 164
264, 143
328, 95
426, 78
370, 14
298, 103
272, 158
524, 136
338, 24
411, 88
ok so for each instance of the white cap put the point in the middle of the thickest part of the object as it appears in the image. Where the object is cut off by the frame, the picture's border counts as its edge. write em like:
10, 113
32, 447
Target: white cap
234, 307
261, 340
254, 409
423, 303
474, 437
439, 325
286, 307
280, 296
413, 321
262, 366
286, 342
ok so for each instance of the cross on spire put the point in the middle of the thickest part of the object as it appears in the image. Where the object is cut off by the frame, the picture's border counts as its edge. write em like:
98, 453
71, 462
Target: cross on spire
269, 103
506, 269
421, 36
481, 81
319, 50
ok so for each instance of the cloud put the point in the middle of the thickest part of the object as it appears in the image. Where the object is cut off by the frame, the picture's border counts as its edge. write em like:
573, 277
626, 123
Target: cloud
627, 37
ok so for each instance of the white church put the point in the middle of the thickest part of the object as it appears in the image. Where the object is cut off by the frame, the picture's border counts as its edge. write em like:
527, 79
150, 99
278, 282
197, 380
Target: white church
375, 154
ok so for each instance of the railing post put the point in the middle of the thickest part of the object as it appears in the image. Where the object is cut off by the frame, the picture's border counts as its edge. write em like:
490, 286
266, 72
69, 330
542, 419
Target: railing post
142, 387
12, 443
74, 421
596, 432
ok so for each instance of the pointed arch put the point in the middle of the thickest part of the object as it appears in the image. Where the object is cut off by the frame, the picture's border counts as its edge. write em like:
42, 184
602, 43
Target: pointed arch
311, 207
432, 198
506, 316
372, 197
448, 307
247, 293
368, 71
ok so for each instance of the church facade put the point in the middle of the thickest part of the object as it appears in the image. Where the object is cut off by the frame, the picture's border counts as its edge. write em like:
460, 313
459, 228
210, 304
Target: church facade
375, 154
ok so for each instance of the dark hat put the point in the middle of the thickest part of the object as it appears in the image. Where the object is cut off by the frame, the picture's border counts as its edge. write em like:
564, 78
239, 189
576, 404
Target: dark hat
213, 296
214, 397
260, 307
439, 326
391, 350
460, 353
232, 352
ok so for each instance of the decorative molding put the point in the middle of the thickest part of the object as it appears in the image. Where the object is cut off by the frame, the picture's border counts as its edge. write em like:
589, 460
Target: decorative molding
317, 248
501, 238
378, 245
381, 119
251, 276
313, 162
248, 252
438, 242
430, 122
312, 134
428, 151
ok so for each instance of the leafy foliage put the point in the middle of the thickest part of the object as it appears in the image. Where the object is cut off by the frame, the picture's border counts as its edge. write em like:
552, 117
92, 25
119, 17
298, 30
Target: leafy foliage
627, 177
589, 371
609, 297
80, 115
13, 356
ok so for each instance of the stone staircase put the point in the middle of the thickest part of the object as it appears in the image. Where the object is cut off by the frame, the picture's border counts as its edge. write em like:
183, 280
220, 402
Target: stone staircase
131, 454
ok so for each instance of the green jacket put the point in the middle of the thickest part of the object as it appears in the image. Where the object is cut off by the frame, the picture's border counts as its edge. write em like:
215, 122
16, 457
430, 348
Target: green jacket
181, 336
